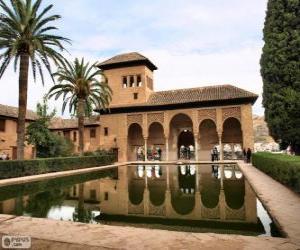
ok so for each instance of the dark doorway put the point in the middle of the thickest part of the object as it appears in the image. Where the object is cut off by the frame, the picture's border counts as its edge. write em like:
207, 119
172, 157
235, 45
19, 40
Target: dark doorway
185, 138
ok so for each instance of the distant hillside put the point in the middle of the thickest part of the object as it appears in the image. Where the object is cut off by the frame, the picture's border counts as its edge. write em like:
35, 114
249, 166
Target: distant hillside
261, 131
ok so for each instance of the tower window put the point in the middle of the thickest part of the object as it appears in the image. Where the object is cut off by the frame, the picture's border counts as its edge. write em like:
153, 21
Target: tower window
139, 80
124, 82
92, 133
135, 96
105, 131
131, 81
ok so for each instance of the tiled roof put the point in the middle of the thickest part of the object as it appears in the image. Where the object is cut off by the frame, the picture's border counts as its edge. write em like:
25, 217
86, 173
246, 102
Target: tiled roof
195, 95
59, 123
12, 112
202, 94
125, 59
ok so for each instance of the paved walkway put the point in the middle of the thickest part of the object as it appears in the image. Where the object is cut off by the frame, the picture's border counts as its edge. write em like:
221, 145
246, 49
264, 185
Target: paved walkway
50, 234
282, 203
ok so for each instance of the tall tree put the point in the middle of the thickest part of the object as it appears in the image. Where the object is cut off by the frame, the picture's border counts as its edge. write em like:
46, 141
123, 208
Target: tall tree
26, 37
83, 87
280, 70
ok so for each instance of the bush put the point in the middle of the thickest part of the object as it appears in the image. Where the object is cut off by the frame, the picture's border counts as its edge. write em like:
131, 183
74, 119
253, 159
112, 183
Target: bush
11, 169
283, 168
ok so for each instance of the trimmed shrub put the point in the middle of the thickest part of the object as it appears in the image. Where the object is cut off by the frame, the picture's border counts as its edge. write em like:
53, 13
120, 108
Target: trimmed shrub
11, 169
283, 168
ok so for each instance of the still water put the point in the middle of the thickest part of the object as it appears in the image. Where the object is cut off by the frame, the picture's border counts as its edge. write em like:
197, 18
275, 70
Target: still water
191, 198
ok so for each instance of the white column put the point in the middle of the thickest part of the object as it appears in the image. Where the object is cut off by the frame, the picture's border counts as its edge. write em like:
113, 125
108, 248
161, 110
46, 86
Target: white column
167, 148
168, 177
146, 148
221, 146
222, 176
196, 147
197, 178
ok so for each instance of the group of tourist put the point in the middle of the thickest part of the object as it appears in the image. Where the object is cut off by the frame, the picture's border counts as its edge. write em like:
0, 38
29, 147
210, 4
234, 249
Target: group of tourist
186, 153
4, 156
247, 155
153, 153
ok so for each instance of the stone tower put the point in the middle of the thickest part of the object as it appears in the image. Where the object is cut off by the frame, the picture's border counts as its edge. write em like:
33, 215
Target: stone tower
130, 77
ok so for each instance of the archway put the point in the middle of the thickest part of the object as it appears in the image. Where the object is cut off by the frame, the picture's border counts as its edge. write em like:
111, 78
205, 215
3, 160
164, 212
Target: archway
181, 134
156, 140
210, 190
232, 134
208, 138
135, 140
185, 139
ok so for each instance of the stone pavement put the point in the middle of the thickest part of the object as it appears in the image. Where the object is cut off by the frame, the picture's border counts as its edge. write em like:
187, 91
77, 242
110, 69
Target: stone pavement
282, 203
51, 234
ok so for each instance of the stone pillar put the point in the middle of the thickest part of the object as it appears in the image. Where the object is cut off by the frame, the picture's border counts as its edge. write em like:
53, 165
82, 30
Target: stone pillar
221, 146
232, 151
168, 177
222, 176
167, 148
222, 205
197, 178
197, 209
196, 147
247, 126
250, 204
168, 204
146, 201
146, 148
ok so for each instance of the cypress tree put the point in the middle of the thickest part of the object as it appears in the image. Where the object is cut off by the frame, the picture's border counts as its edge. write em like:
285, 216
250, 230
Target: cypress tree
280, 70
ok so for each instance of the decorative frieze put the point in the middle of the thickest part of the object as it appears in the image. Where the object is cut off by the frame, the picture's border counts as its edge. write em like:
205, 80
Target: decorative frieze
157, 210
204, 114
137, 118
235, 214
210, 213
135, 209
155, 117
234, 112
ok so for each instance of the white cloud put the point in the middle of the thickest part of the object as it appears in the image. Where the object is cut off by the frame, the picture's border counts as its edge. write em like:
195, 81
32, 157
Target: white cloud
194, 43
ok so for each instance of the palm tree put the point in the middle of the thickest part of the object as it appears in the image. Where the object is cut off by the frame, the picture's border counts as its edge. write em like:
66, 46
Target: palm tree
24, 39
81, 90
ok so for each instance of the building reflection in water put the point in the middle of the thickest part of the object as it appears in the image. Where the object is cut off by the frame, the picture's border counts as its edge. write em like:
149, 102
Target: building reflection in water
194, 192
184, 192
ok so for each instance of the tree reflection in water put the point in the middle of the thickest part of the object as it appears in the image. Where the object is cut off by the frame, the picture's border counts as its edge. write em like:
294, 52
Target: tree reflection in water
81, 214
38, 205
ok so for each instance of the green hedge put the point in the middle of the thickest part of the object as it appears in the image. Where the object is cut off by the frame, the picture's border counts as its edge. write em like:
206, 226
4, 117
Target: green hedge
11, 169
283, 168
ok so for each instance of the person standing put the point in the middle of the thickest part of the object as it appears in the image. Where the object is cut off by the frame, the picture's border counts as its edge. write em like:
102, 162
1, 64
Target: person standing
215, 154
245, 155
159, 153
249, 154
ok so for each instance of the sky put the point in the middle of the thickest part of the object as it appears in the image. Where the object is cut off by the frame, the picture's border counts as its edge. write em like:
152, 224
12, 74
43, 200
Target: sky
193, 43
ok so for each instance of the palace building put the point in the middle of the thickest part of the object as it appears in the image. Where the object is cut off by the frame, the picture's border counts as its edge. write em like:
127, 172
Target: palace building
8, 132
139, 117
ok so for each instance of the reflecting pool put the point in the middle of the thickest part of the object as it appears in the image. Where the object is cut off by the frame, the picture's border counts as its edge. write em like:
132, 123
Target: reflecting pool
192, 198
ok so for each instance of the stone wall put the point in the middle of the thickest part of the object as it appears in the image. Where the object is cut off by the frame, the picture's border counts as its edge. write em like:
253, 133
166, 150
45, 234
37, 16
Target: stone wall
8, 140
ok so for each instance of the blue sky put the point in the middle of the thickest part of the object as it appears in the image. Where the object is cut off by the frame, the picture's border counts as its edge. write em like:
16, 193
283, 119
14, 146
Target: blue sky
193, 42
